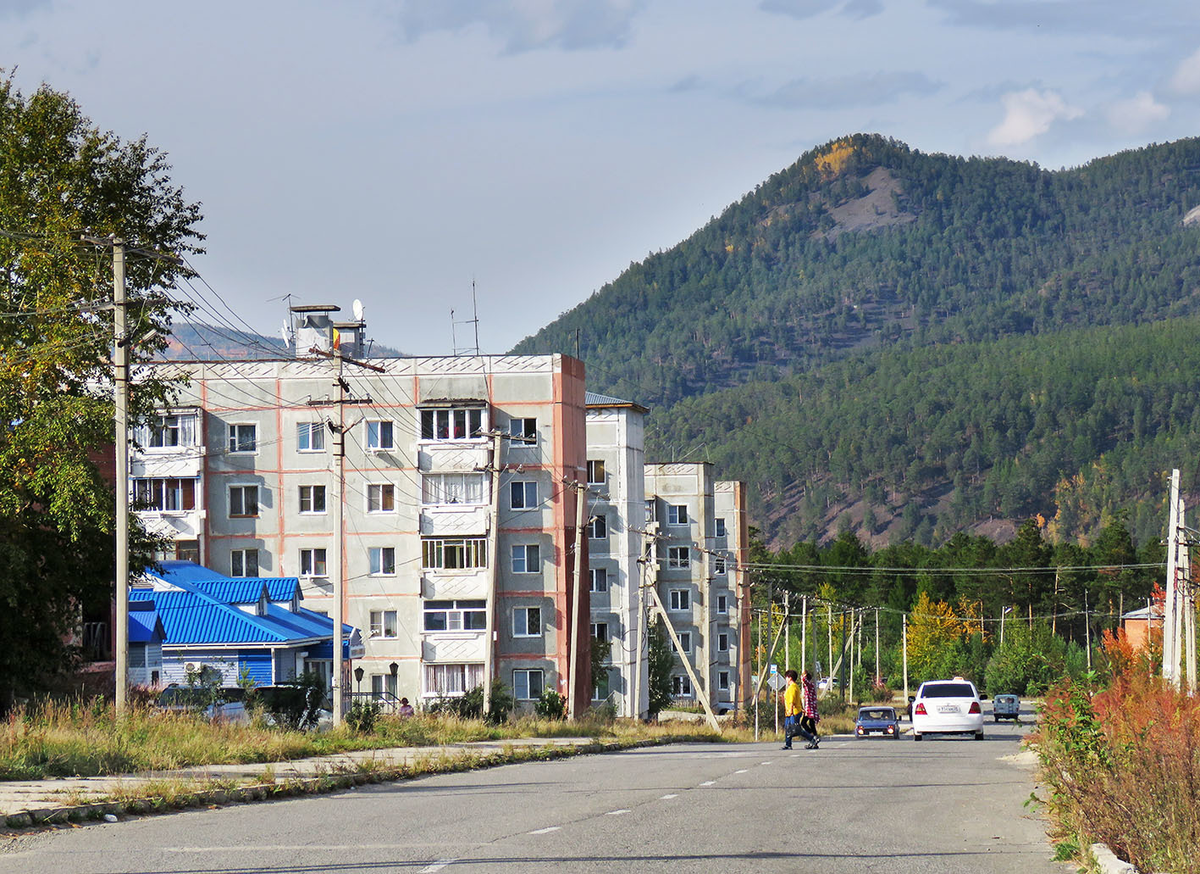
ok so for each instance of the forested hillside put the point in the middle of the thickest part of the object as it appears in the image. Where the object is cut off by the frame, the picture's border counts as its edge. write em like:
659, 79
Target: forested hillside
866, 303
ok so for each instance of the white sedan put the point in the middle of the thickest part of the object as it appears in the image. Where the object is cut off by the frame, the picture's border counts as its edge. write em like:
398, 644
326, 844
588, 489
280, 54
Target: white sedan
947, 707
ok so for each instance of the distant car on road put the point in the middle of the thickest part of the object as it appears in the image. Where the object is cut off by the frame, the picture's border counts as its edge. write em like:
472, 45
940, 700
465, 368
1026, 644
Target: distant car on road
828, 684
877, 720
1006, 707
947, 707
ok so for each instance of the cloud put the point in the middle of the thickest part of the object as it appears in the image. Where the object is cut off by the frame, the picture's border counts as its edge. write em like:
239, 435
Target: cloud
861, 89
1118, 18
1029, 113
802, 9
527, 25
1139, 112
1187, 75
20, 8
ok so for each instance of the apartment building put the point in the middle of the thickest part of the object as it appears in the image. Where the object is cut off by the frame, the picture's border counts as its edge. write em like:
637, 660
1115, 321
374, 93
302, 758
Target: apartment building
450, 478
700, 534
616, 521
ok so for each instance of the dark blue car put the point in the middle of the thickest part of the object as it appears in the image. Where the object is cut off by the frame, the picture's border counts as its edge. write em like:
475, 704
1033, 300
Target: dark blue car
877, 719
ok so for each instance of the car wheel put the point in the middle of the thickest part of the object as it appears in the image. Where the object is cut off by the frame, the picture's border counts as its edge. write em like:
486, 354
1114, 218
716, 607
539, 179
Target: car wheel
916, 736
979, 735
997, 719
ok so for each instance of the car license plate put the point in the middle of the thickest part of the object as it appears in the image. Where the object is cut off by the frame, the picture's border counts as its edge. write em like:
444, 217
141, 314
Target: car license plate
947, 708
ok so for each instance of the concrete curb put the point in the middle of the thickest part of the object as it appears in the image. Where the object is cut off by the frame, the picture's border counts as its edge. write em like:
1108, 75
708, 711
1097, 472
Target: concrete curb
327, 775
1108, 862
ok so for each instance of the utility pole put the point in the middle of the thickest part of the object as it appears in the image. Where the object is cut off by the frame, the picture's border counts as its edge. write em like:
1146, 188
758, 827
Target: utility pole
1087, 628
803, 633
121, 444
904, 638
701, 693
493, 558
339, 576
574, 602
1170, 669
878, 678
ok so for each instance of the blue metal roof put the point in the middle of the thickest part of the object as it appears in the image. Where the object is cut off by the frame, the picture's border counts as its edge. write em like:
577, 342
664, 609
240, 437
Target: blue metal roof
595, 399
145, 625
246, 590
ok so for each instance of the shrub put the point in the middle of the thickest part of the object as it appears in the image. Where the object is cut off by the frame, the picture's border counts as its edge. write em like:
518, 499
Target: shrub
362, 716
551, 705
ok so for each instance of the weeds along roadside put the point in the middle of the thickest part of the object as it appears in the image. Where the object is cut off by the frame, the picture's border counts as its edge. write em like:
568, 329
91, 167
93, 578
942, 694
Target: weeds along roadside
1121, 763
87, 738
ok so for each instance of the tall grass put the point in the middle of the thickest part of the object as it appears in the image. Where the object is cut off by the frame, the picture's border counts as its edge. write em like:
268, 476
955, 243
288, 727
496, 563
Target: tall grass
88, 739
1123, 763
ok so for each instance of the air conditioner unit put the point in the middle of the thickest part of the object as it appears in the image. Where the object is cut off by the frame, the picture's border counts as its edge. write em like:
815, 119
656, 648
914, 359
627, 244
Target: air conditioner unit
192, 667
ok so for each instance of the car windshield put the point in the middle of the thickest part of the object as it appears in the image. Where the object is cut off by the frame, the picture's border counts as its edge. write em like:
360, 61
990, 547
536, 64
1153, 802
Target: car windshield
947, 690
877, 713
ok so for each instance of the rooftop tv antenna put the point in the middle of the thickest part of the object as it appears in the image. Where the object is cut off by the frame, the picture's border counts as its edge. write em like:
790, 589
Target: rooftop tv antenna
472, 321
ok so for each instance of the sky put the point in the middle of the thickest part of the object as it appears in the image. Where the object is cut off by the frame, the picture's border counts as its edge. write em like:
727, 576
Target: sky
401, 152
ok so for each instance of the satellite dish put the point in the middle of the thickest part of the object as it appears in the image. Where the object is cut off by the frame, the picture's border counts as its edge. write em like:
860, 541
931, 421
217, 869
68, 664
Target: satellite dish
287, 336
358, 310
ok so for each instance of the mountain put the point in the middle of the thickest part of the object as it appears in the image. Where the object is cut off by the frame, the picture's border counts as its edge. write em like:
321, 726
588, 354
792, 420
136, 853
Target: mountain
192, 341
866, 257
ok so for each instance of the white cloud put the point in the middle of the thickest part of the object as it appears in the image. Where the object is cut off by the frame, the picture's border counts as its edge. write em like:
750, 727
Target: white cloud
1028, 114
1187, 75
1139, 112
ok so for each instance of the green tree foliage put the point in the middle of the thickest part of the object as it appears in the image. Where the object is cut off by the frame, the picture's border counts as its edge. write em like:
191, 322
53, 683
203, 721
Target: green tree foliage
61, 178
661, 661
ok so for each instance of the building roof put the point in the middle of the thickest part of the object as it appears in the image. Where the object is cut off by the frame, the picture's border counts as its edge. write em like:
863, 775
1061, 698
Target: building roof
594, 399
231, 590
145, 626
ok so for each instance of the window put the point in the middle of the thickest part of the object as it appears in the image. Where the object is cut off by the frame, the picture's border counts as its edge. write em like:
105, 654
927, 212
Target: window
680, 599
681, 686
187, 550
677, 514
721, 532
455, 615
310, 437
722, 643
718, 564
383, 623
165, 432
454, 554
596, 473
243, 438
685, 641
164, 495
723, 680
722, 603
312, 499
522, 494
652, 510
599, 579
600, 631
600, 686
679, 556
454, 488
381, 498
523, 431
527, 684
379, 436
527, 621
526, 558
452, 424
243, 563
446, 680
383, 561
312, 563
243, 501
383, 686
598, 528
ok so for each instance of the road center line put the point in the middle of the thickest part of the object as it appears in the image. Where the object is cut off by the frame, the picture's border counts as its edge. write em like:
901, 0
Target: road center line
546, 830
764, 763
742, 771
666, 797
709, 783
437, 866
618, 812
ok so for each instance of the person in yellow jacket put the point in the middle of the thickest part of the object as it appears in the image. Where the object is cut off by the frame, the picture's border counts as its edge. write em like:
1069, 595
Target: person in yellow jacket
792, 709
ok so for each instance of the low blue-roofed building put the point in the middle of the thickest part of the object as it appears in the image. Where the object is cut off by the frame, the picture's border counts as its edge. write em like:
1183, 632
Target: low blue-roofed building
146, 636
241, 628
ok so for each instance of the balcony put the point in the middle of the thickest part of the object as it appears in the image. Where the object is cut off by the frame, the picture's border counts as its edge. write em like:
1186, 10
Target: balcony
452, 646
177, 462
445, 456
455, 586
454, 520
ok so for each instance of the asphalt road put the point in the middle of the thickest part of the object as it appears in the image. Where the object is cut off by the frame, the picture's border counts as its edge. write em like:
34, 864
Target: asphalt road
952, 805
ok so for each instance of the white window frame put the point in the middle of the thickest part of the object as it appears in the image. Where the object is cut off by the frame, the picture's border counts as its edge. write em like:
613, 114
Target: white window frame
379, 495
241, 489
309, 556
379, 435
450, 680
313, 492
157, 494
382, 561
521, 622
152, 435
237, 556
473, 551
723, 642
445, 420
721, 530
385, 624
237, 440
677, 514
681, 686
523, 431
312, 434
524, 683
685, 642
651, 510
454, 489
722, 604
528, 491
460, 615
720, 566
523, 566
679, 557
600, 632
597, 527
596, 473
679, 600
723, 681
597, 579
